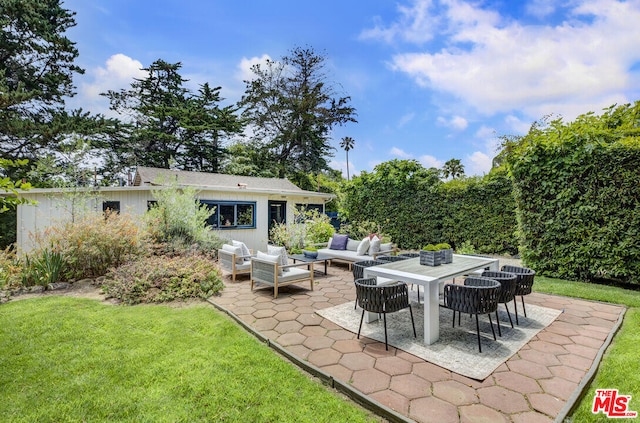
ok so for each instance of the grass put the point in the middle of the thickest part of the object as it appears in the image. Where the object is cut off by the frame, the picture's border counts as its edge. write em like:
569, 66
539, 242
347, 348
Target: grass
620, 366
69, 359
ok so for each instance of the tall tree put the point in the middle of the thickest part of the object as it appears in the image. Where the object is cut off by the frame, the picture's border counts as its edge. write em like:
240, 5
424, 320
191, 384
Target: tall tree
453, 168
36, 74
292, 108
347, 144
169, 125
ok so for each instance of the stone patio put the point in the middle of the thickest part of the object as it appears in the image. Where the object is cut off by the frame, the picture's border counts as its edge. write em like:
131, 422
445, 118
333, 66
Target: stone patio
538, 384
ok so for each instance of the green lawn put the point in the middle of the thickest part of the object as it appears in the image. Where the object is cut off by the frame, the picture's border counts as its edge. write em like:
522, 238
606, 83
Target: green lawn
620, 367
68, 359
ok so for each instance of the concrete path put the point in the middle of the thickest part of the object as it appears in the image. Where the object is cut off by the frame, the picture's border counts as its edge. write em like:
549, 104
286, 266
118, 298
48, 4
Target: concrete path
538, 384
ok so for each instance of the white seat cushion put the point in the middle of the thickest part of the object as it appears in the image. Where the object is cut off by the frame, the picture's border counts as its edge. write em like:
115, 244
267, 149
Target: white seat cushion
295, 273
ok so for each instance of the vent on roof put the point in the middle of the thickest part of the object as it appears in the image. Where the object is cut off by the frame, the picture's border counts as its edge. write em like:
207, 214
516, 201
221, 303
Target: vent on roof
242, 186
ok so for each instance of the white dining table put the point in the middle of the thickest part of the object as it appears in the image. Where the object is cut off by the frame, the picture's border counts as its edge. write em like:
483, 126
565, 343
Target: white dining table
430, 277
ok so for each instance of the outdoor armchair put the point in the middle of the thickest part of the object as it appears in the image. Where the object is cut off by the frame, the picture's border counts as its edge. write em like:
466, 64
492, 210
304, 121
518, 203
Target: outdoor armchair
382, 299
272, 274
231, 260
477, 296
507, 290
524, 285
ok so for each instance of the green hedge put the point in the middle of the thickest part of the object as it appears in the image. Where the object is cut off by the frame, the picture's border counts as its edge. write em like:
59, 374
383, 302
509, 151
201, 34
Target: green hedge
577, 190
416, 208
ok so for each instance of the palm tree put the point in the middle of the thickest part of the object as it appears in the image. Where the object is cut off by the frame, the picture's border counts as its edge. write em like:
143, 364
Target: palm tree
453, 168
347, 143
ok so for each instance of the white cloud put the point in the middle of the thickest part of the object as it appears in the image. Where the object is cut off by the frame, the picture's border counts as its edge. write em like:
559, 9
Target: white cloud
416, 24
118, 73
485, 132
477, 163
430, 161
342, 167
406, 119
498, 65
400, 153
541, 8
517, 125
457, 123
244, 72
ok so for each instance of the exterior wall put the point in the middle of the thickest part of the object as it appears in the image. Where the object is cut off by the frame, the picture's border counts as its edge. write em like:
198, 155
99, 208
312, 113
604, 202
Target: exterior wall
53, 208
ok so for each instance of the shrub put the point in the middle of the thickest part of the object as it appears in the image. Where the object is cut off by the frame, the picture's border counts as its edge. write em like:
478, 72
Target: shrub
309, 227
10, 269
179, 220
156, 279
93, 243
43, 267
577, 188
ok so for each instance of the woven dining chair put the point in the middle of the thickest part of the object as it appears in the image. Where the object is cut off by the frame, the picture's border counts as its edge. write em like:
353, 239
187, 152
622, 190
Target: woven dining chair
382, 299
507, 289
358, 271
477, 296
389, 259
524, 285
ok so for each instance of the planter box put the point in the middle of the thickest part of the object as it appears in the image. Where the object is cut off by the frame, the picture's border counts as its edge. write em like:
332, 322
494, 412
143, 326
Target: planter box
447, 255
430, 258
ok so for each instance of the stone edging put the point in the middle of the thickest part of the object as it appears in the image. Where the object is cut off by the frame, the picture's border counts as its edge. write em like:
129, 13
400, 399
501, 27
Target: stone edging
572, 402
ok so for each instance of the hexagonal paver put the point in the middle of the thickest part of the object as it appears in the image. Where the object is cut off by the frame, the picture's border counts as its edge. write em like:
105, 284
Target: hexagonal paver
411, 386
313, 330
431, 372
392, 400
285, 316
529, 368
431, 409
393, 365
261, 314
531, 417
309, 319
545, 403
325, 357
357, 361
503, 399
517, 382
318, 342
291, 338
288, 326
347, 346
558, 387
370, 380
478, 413
454, 392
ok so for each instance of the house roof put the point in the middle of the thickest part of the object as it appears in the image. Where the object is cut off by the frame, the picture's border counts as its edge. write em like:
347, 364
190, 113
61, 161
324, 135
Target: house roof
151, 176
158, 176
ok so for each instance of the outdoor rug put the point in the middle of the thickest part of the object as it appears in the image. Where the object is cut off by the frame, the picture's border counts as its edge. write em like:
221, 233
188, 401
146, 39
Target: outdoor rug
457, 348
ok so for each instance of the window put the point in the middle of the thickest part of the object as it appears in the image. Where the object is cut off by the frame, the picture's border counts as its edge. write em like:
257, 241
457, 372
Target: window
151, 204
231, 214
114, 206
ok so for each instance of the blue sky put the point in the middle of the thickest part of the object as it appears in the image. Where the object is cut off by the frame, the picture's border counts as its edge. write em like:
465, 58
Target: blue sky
431, 80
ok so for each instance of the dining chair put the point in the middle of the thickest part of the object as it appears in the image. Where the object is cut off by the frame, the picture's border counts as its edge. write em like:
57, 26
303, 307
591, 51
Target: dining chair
358, 271
524, 284
478, 295
507, 289
382, 299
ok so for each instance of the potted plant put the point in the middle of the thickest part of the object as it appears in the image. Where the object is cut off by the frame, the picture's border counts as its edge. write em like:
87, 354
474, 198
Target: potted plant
446, 251
310, 251
430, 256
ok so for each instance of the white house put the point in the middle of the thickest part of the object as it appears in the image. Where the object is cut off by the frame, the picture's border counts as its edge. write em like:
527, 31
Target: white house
245, 207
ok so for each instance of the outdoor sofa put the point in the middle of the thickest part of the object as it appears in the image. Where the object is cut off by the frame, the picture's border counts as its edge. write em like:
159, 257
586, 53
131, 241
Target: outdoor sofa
348, 250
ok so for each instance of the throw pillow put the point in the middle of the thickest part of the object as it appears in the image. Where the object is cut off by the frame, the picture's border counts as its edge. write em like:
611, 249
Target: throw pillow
339, 242
363, 247
245, 249
234, 250
352, 244
386, 247
270, 258
281, 252
374, 246
371, 236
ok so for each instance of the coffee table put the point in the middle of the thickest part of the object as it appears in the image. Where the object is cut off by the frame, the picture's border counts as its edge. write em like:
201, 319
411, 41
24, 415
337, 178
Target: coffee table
321, 258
